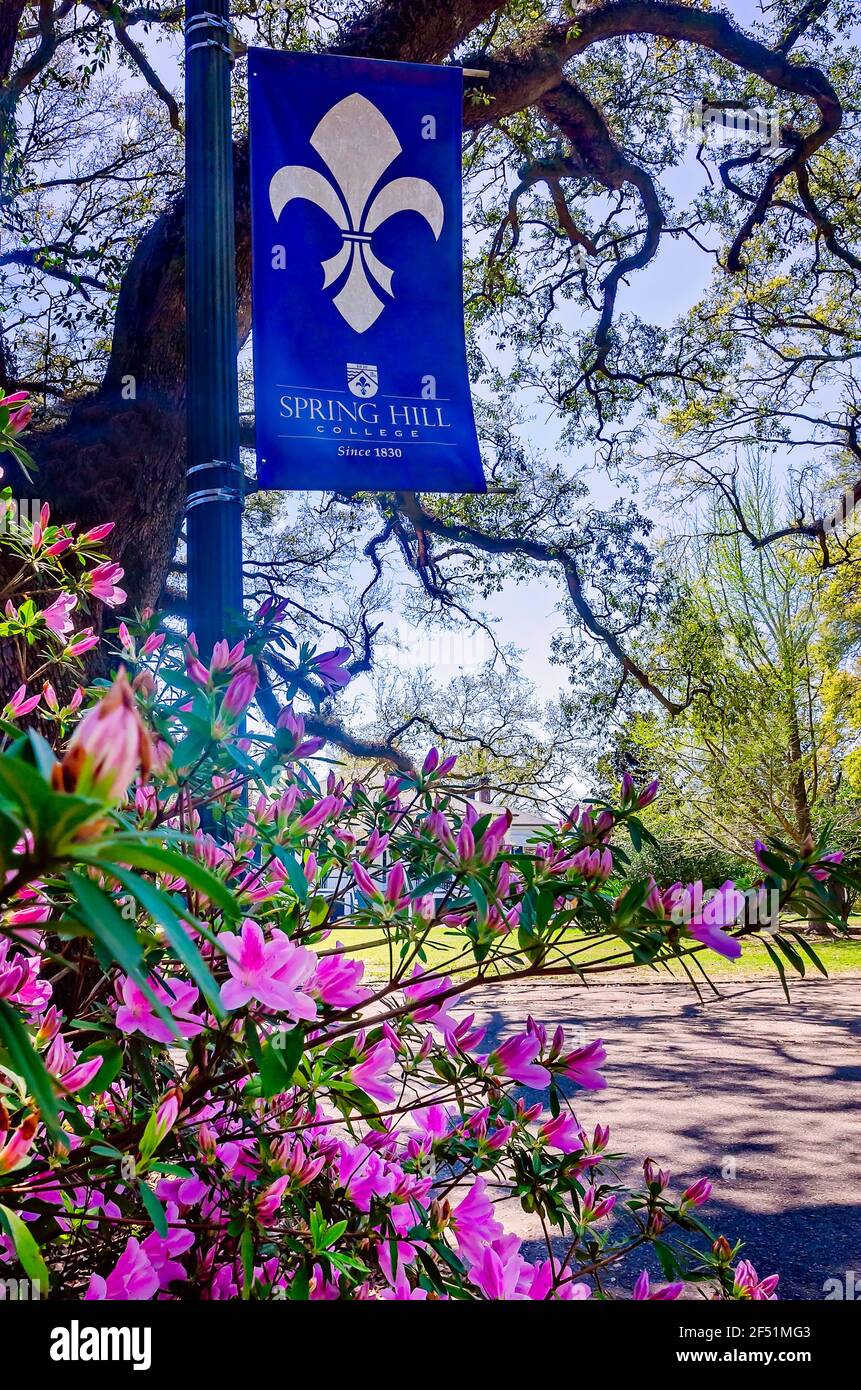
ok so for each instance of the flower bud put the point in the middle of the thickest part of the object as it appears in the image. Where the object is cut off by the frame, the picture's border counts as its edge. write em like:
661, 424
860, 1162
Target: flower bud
108, 746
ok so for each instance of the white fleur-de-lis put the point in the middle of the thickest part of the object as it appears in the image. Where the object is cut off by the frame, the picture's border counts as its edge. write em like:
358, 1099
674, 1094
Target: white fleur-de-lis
357, 144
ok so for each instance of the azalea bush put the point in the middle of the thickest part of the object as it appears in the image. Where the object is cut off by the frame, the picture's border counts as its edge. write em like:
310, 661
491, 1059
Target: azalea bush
209, 1086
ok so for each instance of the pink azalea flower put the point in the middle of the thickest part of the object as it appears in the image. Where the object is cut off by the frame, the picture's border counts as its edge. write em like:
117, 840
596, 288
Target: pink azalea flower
162, 1251
364, 1175
821, 872
21, 703
267, 1204
238, 695
494, 837
372, 1073
647, 796
721, 910
425, 992
321, 1289
568, 1290
499, 1269
194, 667
432, 1123
62, 1062
582, 1065
365, 883
302, 747
330, 667
268, 971
292, 1158
319, 812
167, 1113
465, 1037
15, 1149
132, 1277
57, 618
137, 1013
515, 1058
697, 1194
336, 981
103, 582
473, 1223
432, 767
642, 1289
748, 1283
82, 641
562, 1133
19, 419
20, 982
108, 746
98, 533
594, 1207
403, 1292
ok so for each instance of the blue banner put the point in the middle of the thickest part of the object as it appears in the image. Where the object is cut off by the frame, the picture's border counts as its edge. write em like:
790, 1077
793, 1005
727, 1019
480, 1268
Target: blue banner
360, 376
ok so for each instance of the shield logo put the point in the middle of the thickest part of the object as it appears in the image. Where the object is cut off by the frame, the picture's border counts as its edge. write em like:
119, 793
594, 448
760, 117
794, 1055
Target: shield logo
362, 379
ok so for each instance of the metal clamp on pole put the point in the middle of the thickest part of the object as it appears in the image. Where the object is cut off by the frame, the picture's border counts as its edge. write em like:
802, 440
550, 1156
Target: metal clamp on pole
214, 463
201, 23
216, 494
212, 494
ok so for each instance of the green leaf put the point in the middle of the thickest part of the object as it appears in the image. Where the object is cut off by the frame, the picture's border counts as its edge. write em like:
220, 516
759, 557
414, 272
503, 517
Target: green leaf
52, 816
160, 907
280, 1056
154, 1208
101, 916
476, 892
780, 970
318, 911
791, 954
808, 950
252, 1042
300, 1286
26, 790
775, 864
428, 885
27, 1062
246, 1254
26, 1249
118, 939
43, 754
666, 1255
298, 881
133, 849
112, 1061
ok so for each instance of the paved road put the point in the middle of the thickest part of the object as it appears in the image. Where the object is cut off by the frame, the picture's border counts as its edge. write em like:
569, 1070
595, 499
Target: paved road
775, 1088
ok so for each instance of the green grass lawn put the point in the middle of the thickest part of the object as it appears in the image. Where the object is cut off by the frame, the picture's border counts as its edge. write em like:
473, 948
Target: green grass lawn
443, 952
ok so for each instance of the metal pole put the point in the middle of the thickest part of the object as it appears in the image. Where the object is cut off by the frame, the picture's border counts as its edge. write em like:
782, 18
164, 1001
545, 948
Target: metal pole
213, 471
